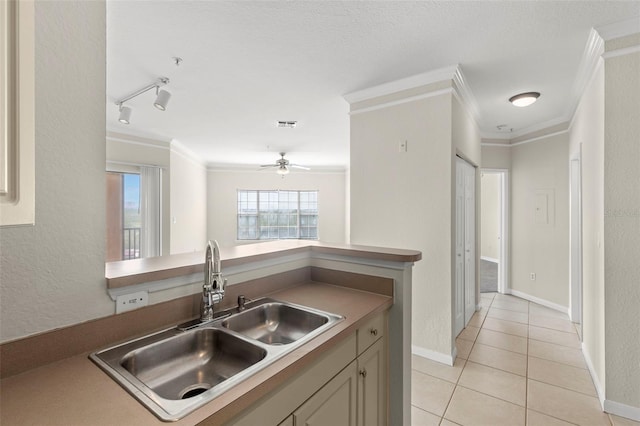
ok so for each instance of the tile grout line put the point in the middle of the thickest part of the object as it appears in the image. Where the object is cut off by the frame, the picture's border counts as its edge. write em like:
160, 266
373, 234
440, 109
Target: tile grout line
466, 361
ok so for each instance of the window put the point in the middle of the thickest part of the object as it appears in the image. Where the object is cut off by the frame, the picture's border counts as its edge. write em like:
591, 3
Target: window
124, 220
277, 215
134, 213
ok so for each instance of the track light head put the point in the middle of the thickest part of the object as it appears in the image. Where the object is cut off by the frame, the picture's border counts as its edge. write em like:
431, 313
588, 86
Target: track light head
125, 114
162, 100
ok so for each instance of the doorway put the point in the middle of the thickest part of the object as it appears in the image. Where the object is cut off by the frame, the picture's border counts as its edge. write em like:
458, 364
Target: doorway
465, 245
493, 230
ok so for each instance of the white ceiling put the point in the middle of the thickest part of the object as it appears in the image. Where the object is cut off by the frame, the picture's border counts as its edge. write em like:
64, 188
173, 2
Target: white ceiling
247, 64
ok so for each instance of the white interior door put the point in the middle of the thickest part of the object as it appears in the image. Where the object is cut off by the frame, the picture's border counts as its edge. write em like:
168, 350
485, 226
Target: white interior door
459, 292
469, 241
465, 245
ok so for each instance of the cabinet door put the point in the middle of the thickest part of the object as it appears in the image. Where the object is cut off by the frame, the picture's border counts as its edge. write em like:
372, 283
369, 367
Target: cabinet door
334, 404
372, 386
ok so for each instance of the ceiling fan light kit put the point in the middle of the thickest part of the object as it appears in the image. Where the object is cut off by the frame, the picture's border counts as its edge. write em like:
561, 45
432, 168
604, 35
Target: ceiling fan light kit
283, 166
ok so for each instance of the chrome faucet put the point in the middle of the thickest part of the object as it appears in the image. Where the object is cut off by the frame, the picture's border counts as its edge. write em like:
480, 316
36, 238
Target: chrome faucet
213, 287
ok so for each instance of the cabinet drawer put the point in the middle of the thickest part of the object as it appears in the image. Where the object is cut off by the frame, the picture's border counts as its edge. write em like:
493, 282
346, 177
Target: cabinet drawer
369, 333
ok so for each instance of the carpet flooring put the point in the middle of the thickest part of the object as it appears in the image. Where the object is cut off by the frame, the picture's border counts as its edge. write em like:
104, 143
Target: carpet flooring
488, 276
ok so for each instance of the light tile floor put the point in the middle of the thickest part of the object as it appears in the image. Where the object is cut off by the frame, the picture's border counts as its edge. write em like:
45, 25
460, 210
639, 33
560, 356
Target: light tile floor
518, 363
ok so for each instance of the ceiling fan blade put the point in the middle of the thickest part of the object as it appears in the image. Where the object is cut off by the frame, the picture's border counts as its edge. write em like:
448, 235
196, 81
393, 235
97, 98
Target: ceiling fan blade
270, 165
296, 166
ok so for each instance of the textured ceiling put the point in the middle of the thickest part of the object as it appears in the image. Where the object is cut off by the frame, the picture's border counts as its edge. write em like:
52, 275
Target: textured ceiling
248, 64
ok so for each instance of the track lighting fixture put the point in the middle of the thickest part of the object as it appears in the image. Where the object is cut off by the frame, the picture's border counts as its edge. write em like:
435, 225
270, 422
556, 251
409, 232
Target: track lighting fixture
125, 114
162, 99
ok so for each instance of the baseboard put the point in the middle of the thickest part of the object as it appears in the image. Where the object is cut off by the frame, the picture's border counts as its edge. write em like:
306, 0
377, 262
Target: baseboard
490, 259
433, 355
594, 377
539, 301
622, 410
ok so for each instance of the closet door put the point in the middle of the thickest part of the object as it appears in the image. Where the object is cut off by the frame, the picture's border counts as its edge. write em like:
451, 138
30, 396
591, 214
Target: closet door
458, 302
465, 260
469, 242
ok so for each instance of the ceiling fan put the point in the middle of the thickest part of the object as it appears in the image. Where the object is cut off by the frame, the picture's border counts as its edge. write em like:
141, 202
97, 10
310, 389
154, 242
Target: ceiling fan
283, 165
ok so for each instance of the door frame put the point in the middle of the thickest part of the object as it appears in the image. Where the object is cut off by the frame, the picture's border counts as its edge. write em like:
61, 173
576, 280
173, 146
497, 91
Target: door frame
575, 227
503, 265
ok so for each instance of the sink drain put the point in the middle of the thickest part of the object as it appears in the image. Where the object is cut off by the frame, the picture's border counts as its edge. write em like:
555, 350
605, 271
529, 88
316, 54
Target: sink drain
194, 390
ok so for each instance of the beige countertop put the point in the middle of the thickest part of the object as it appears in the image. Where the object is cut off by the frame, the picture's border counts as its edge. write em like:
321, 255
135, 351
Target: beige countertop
75, 391
135, 271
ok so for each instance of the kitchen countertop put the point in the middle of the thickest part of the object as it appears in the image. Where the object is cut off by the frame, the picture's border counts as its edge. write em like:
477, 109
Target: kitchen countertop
136, 271
75, 391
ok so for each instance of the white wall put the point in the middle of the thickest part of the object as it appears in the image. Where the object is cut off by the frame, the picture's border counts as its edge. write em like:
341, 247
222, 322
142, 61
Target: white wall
222, 201
541, 165
587, 132
403, 199
496, 157
490, 215
52, 273
622, 222
188, 211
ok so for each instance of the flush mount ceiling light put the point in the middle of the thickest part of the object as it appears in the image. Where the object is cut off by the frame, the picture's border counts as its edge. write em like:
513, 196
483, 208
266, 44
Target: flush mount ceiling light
524, 99
162, 99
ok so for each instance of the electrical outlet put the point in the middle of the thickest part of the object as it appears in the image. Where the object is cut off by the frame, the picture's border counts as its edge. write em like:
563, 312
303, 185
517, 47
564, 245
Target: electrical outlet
533, 276
128, 302
402, 146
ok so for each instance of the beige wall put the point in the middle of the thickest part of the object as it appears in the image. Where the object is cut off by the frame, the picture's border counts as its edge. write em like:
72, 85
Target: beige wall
404, 199
490, 215
496, 157
222, 187
541, 165
622, 222
188, 205
587, 134
52, 273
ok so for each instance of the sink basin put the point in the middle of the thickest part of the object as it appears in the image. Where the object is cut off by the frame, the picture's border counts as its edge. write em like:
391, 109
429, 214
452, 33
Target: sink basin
174, 371
192, 363
275, 323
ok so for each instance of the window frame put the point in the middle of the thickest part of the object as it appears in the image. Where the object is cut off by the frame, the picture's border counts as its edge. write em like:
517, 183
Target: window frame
258, 231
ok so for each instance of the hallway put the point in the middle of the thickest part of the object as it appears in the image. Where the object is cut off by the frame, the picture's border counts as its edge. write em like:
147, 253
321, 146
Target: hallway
518, 363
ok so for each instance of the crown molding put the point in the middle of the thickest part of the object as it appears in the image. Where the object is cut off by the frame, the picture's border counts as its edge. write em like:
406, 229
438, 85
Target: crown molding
463, 91
621, 52
430, 77
178, 148
136, 140
619, 29
403, 101
591, 55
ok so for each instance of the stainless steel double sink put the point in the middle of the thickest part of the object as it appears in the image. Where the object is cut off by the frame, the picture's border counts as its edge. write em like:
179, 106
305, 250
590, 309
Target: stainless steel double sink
173, 372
